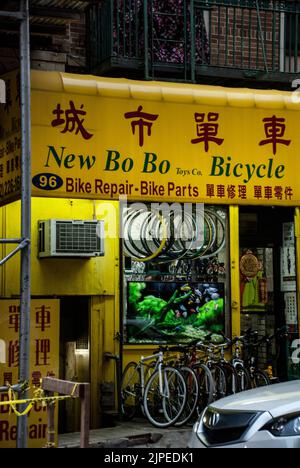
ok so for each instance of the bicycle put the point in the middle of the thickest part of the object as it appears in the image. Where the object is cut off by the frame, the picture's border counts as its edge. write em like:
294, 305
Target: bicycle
216, 370
162, 396
249, 375
231, 375
183, 364
259, 377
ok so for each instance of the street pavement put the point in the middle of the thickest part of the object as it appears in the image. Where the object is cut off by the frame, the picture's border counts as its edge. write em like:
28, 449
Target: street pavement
136, 433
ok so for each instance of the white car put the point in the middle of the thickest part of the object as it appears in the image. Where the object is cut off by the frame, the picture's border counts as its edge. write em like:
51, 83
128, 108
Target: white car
265, 417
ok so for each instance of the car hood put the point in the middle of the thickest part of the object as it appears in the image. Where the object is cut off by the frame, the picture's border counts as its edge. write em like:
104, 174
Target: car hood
277, 399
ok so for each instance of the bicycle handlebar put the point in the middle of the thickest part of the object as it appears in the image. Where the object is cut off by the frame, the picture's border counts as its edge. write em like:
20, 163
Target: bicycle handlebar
212, 346
245, 339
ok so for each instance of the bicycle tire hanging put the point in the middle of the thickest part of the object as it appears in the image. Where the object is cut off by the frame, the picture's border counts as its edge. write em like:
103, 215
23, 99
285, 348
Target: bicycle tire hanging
160, 238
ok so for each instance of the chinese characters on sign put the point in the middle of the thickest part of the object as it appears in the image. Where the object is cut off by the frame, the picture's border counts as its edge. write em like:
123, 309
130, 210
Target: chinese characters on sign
43, 318
207, 131
243, 193
207, 126
144, 122
70, 118
275, 130
44, 361
10, 140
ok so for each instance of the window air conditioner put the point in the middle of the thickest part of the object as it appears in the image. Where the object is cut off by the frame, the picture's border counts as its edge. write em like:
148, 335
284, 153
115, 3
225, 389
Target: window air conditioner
71, 238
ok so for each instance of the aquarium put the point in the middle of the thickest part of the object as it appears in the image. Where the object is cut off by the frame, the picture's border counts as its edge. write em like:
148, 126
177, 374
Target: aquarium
173, 312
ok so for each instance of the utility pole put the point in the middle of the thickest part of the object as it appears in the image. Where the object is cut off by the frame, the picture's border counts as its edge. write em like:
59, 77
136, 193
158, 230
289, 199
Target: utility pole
24, 340
23, 244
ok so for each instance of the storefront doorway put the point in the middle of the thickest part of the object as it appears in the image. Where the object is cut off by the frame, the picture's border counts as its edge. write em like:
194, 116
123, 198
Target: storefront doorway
74, 355
173, 292
268, 283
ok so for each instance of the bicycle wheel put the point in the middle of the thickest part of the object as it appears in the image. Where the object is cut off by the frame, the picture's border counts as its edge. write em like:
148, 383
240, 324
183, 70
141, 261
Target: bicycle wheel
206, 386
192, 387
164, 397
130, 390
232, 379
244, 378
260, 379
220, 383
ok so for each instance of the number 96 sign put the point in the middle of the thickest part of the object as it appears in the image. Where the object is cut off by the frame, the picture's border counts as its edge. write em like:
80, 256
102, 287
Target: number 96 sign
47, 181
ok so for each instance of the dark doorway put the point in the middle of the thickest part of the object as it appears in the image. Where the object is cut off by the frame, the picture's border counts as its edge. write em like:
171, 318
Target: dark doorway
268, 282
74, 355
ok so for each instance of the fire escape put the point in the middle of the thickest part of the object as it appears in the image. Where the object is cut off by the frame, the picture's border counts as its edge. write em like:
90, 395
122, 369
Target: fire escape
234, 42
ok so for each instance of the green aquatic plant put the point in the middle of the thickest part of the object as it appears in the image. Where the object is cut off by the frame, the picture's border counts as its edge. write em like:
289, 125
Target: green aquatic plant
178, 316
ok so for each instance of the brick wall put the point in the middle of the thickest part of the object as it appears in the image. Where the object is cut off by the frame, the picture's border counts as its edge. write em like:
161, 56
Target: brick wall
236, 40
77, 45
62, 52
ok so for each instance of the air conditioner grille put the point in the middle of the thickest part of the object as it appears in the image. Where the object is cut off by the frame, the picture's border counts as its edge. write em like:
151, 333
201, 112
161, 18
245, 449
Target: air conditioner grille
74, 238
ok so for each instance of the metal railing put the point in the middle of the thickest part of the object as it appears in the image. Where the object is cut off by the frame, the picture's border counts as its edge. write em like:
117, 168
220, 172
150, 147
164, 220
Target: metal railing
242, 38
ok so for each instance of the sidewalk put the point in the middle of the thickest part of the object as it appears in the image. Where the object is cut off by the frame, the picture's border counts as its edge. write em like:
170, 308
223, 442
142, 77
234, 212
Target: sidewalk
137, 433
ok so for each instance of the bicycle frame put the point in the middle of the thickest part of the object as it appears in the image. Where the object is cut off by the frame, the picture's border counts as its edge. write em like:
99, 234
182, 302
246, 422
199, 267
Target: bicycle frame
158, 366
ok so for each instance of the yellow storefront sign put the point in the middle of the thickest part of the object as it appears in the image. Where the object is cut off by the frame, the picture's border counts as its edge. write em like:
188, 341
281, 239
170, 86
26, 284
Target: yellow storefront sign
10, 139
44, 360
105, 138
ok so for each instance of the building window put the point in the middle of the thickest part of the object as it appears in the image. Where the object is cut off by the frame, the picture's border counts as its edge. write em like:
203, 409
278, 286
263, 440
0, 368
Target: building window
176, 265
290, 42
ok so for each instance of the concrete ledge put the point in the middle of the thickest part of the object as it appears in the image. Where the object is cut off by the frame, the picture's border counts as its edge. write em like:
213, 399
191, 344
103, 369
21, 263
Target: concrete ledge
122, 442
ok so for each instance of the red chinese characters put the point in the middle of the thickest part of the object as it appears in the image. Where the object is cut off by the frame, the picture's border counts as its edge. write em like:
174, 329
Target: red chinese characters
36, 377
8, 103
243, 192
71, 119
14, 317
42, 345
8, 378
13, 353
144, 122
42, 317
42, 352
274, 130
207, 131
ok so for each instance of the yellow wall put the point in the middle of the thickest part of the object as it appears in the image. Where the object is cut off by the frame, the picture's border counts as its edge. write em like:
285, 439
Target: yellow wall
54, 276
97, 277
235, 271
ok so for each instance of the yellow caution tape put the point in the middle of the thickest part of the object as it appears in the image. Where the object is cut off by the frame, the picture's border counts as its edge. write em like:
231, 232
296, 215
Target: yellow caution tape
74, 389
39, 393
31, 401
23, 413
39, 396
50, 445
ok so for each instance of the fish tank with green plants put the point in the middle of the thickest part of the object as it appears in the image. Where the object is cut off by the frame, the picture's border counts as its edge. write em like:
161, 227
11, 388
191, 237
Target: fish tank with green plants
173, 312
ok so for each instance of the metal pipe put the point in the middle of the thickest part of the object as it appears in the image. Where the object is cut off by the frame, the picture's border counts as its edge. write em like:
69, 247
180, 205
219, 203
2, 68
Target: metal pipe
146, 40
21, 246
12, 14
24, 343
15, 388
11, 241
261, 37
193, 43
